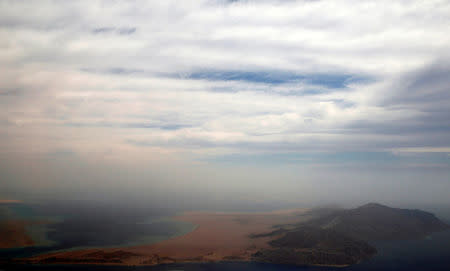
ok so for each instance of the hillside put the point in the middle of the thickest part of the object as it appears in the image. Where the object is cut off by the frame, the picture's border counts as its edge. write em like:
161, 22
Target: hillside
340, 237
315, 246
378, 222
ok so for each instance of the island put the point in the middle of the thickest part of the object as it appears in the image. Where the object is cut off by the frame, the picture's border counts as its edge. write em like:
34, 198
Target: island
331, 237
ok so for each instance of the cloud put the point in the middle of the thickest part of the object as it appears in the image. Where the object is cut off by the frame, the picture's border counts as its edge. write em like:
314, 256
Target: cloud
209, 81
424, 86
103, 30
120, 30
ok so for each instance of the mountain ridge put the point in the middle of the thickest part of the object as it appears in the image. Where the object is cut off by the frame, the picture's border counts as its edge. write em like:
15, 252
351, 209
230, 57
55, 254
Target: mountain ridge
374, 221
342, 237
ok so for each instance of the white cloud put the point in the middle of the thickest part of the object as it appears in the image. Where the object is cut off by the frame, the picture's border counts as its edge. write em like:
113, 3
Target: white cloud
66, 85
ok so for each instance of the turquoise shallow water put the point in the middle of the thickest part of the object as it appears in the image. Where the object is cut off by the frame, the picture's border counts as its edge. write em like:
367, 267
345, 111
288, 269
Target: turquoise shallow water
102, 226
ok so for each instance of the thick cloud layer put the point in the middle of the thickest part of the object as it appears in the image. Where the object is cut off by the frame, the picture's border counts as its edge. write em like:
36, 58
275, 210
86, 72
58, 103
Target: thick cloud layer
234, 95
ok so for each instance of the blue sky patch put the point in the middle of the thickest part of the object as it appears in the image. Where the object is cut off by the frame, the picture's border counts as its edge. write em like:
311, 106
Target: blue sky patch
278, 77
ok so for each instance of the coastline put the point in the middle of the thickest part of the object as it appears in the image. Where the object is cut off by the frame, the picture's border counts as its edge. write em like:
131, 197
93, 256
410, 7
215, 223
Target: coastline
216, 237
296, 237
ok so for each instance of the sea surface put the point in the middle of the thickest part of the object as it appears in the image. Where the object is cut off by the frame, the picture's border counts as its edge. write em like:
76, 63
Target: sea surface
105, 226
75, 226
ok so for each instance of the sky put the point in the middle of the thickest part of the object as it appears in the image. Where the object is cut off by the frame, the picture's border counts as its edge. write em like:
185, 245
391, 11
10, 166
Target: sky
215, 102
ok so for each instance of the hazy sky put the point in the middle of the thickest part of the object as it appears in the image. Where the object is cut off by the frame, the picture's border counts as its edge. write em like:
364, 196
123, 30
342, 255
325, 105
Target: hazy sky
226, 101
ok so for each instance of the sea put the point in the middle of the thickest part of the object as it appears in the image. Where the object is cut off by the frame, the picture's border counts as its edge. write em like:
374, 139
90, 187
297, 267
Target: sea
75, 227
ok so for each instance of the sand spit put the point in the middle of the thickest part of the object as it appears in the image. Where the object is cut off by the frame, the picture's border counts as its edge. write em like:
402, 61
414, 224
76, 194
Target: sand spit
217, 237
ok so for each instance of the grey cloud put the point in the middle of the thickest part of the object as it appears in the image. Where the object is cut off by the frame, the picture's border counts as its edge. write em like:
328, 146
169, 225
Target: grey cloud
11, 92
124, 71
116, 71
137, 82
131, 125
427, 86
427, 91
103, 30
126, 30
117, 30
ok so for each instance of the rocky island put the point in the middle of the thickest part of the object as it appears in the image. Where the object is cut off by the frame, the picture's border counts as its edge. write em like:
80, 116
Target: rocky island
333, 237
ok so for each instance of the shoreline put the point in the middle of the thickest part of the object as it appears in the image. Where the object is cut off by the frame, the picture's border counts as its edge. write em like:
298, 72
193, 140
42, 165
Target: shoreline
216, 237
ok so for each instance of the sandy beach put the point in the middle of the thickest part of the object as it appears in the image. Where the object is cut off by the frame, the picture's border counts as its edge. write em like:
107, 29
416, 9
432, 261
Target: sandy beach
217, 237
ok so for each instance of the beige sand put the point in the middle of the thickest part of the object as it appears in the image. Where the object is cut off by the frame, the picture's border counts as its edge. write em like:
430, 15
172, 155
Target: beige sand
217, 237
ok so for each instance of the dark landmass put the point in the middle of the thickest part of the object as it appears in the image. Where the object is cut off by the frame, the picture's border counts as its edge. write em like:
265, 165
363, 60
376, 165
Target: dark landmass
315, 246
340, 237
374, 221
331, 237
